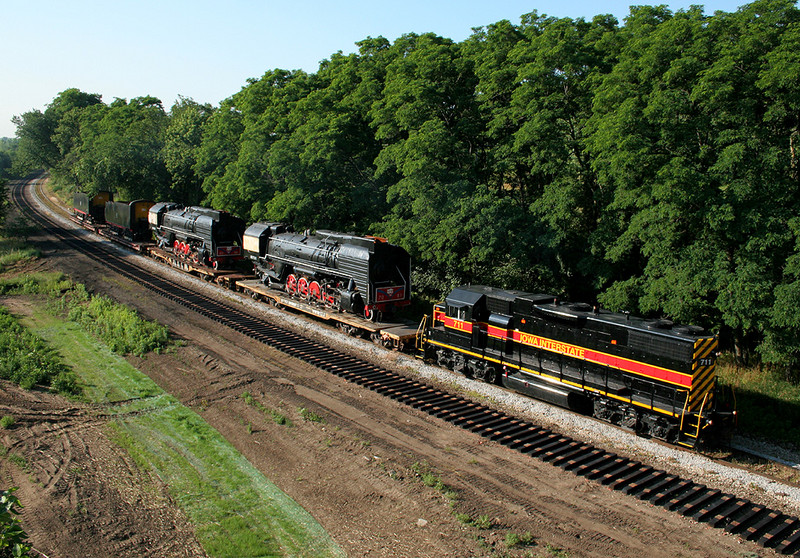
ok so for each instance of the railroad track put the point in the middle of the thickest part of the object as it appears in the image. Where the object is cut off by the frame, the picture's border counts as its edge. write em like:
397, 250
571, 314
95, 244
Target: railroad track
751, 521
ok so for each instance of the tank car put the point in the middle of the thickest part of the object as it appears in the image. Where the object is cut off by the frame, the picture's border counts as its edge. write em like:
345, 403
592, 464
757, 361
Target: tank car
198, 234
362, 275
129, 220
91, 209
650, 376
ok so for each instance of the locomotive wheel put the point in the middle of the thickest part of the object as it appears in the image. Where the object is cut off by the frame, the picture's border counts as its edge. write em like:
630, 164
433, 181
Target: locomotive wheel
215, 265
315, 290
302, 287
369, 313
291, 283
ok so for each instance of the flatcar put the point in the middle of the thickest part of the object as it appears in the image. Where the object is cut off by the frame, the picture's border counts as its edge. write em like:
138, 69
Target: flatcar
129, 220
363, 275
649, 376
91, 209
198, 234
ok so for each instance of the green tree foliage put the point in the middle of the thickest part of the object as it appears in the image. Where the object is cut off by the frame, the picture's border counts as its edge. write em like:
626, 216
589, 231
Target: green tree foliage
652, 166
8, 151
182, 138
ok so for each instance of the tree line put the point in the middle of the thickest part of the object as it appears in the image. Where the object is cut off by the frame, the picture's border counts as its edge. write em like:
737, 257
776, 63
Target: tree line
649, 166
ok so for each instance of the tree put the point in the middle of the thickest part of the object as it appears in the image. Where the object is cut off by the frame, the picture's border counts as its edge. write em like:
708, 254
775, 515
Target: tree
182, 138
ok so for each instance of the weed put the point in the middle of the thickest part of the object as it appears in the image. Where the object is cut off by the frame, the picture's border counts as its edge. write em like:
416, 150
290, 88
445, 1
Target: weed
483, 522
18, 460
309, 416
555, 552
277, 417
514, 540
7, 421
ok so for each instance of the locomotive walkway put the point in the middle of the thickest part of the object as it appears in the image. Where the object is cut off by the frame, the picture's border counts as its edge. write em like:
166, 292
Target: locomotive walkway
769, 528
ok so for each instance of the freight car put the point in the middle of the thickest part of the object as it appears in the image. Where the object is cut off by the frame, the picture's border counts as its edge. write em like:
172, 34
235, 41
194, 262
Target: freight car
129, 219
198, 234
90, 209
362, 275
646, 375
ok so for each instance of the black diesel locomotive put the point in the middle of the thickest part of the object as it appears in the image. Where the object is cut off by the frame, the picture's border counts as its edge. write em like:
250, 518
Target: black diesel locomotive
363, 275
649, 376
198, 234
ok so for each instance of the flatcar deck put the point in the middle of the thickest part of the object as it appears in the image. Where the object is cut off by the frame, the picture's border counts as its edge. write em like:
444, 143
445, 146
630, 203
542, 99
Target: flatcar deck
390, 334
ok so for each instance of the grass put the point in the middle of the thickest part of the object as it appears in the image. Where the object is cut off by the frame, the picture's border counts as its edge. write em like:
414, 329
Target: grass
28, 361
14, 250
276, 416
236, 511
767, 404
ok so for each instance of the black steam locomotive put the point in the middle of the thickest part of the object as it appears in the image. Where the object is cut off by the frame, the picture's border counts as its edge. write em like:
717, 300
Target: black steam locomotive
362, 275
647, 375
205, 236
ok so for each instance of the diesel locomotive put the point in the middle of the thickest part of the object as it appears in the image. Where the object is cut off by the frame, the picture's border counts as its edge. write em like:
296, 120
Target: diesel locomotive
649, 376
363, 275
198, 234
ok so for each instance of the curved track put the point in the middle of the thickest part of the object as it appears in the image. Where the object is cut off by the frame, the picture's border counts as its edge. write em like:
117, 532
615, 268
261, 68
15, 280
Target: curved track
769, 528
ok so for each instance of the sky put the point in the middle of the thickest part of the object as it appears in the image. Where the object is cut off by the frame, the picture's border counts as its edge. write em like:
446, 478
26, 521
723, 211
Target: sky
207, 50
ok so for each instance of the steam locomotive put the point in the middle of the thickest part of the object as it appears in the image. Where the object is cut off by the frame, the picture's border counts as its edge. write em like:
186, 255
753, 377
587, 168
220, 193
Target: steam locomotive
198, 234
649, 376
362, 275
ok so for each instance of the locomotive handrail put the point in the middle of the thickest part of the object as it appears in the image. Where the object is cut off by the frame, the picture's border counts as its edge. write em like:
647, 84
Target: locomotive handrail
421, 332
685, 406
700, 415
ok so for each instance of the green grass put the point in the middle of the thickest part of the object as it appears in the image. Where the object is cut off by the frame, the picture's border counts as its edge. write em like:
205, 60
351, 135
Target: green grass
13, 250
767, 404
236, 511
28, 361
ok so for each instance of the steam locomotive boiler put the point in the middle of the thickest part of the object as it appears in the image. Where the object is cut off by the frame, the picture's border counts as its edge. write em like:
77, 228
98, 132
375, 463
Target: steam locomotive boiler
362, 275
206, 236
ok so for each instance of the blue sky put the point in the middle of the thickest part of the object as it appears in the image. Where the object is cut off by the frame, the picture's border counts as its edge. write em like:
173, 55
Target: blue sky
207, 50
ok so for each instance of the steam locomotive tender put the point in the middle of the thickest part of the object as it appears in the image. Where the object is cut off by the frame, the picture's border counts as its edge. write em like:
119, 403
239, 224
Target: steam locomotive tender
129, 219
91, 209
362, 275
648, 376
198, 234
